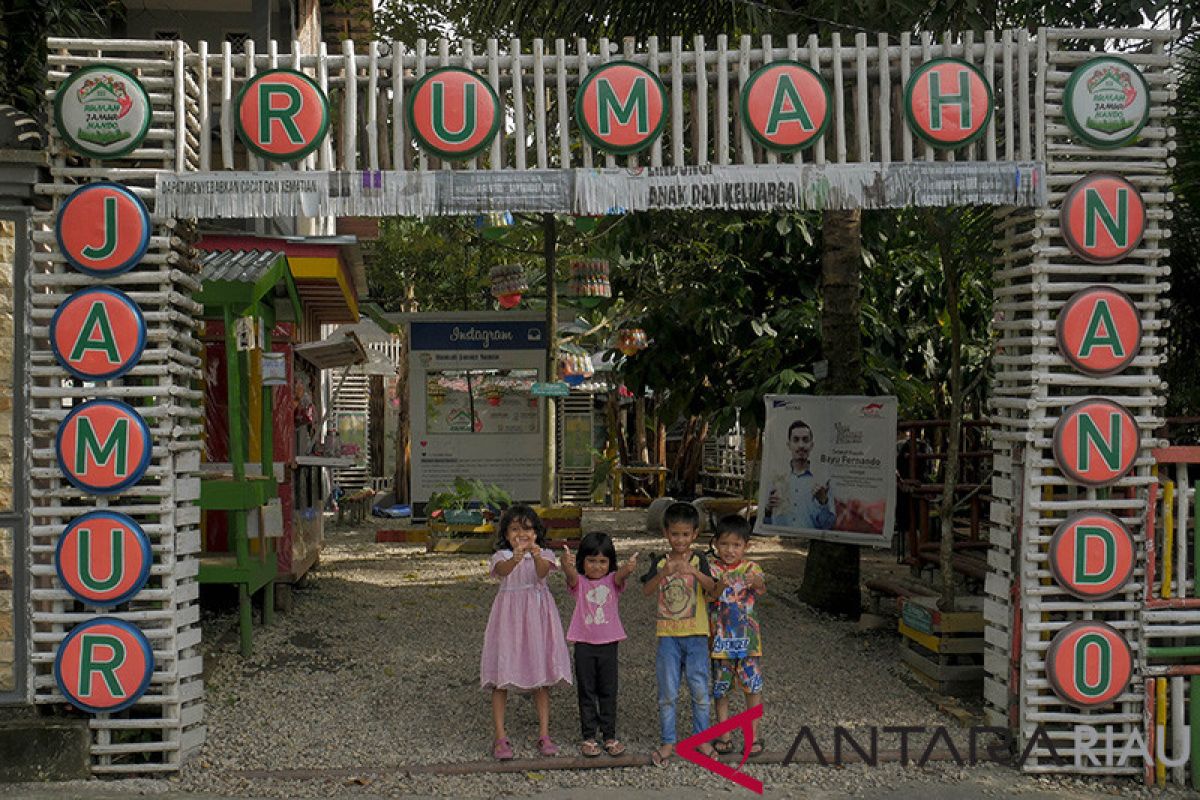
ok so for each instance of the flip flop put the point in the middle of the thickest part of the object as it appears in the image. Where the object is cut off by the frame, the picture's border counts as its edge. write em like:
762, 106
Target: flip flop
756, 749
614, 747
659, 758
723, 747
589, 749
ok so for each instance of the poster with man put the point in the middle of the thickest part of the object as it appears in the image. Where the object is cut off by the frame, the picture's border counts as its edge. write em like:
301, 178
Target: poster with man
829, 469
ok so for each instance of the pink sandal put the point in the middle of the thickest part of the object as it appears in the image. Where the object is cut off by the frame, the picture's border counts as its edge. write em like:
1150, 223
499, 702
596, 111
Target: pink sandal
502, 750
546, 746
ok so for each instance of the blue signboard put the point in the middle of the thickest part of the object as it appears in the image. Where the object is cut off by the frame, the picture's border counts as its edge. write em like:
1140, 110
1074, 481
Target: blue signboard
467, 335
557, 389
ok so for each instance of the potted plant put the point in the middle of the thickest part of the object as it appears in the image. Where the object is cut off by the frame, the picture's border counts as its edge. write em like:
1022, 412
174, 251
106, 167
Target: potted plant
469, 501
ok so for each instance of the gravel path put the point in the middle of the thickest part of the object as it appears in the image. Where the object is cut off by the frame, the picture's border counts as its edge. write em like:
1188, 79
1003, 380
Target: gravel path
377, 667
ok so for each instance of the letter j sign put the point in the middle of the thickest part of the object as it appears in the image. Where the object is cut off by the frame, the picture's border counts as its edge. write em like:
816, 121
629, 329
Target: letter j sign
282, 115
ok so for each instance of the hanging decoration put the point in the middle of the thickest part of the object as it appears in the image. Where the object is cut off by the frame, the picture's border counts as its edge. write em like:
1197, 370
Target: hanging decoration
631, 341
574, 364
589, 278
508, 284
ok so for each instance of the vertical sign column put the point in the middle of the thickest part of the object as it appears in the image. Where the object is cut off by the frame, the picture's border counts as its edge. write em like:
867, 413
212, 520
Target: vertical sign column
115, 416
1094, 286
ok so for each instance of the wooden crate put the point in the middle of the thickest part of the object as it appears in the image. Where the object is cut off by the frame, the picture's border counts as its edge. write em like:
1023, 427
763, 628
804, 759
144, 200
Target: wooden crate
944, 650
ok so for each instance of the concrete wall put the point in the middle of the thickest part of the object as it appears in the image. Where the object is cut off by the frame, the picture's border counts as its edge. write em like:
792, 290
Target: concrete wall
7, 648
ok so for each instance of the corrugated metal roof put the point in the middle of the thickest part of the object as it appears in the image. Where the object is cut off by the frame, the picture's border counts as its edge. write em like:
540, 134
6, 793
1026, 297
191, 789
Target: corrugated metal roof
239, 266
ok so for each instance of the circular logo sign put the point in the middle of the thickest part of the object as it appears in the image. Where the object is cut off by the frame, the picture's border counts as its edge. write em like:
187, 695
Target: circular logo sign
282, 115
948, 102
786, 106
1102, 218
453, 112
103, 446
103, 229
1089, 664
1096, 441
102, 111
1092, 555
103, 558
1107, 102
621, 107
104, 664
1099, 331
98, 334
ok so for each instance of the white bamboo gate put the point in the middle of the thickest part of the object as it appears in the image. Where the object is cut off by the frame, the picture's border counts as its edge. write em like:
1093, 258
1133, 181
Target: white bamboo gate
193, 131
1036, 274
166, 723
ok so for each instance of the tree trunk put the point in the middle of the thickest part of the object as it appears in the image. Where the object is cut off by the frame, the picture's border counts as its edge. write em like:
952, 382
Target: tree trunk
831, 572
639, 430
550, 418
950, 473
400, 489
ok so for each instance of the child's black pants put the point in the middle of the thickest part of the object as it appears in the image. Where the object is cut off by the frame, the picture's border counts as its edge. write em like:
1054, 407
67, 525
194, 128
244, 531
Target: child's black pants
596, 684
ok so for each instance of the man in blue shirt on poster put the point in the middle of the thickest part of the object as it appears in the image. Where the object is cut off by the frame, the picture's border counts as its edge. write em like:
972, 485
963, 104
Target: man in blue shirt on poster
798, 500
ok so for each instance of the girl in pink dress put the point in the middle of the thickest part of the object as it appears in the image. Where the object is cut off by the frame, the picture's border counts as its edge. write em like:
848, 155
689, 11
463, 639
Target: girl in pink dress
523, 647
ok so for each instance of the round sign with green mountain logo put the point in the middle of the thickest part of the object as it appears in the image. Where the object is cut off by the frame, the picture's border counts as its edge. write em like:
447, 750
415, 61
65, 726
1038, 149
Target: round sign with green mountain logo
1107, 102
102, 111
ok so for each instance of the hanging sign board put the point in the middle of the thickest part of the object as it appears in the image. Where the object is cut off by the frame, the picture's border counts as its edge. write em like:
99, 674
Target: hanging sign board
786, 106
1099, 331
102, 111
1102, 218
621, 107
1092, 555
274, 369
1096, 441
948, 102
98, 334
103, 558
1089, 664
245, 330
556, 389
282, 115
453, 112
829, 468
103, 229
103, 446
1107, 102
103, 665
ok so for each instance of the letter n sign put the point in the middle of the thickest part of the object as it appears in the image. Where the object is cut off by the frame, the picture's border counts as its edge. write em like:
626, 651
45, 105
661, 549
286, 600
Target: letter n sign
97, 334
453, 112
1096, 441
103, 664
948, 102
103, 558
1089, 664
1102, 218
282, 115
103, 229
1092, 555
621, 107
785, 106
103, 446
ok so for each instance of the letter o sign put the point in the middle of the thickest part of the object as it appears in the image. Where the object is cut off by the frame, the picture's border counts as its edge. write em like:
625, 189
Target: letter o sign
786, 106
1092, 555
1089, 664
453, 112
282, 115
103, 229
621, 107
103, 446
103, 558
1099, 330
103, 665
1096, 441
948, 102
98, 334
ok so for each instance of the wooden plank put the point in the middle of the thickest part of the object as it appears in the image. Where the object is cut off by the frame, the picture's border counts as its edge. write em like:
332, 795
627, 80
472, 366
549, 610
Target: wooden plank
814, 55
564, 119
906, 139
723, 115
349, 108
793, 47
885, 99
226, 105
676, 101
745, 143
539, 104
656, 149
372, 105
518, 90
325, 160
629, 54
1023, 108
610, 161
768, 51
205, 111
1010, 142
989, 72
927, 152
399, 143
862, 121
582, 55
839, 100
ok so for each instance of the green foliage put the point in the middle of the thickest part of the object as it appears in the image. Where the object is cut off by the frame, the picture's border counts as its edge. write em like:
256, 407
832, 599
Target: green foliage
466, 491
24, 26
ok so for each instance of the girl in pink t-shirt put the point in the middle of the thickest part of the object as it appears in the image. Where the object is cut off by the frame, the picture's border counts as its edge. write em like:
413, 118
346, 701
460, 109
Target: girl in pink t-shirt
593, 577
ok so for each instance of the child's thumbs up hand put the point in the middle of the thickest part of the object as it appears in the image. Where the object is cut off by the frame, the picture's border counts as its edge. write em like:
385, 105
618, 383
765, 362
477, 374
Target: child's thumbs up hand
631, 562
564, 557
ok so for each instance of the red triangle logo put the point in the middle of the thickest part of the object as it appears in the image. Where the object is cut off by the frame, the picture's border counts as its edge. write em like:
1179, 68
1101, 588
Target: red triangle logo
744, 721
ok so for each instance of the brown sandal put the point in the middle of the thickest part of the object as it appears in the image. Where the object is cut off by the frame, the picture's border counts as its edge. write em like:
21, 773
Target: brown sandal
614, 747
659, 758
589, 749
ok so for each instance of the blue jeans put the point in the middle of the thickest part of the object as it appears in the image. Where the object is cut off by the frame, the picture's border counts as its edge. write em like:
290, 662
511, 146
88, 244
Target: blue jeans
687, 655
